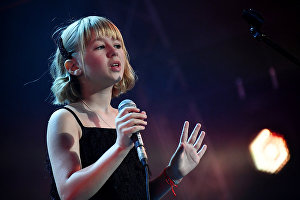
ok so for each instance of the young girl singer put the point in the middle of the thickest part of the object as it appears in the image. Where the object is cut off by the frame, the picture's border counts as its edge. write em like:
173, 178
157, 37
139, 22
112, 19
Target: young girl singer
89, 146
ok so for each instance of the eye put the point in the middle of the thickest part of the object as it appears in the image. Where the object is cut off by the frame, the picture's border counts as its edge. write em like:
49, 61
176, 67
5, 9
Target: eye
100, 47
117, 46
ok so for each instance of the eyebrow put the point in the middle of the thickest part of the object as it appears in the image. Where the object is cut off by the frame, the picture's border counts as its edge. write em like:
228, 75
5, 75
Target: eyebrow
101, 39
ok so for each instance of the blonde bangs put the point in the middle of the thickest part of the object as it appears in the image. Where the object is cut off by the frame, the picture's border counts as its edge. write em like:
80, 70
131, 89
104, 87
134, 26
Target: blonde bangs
107, 29
101, 27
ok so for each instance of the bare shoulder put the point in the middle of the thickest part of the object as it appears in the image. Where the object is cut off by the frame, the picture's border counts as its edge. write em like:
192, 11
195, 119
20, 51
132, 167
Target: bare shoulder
62, 121
63, 132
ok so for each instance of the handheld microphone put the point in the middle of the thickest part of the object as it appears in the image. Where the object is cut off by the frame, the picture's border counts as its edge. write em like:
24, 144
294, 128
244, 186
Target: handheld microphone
136, 137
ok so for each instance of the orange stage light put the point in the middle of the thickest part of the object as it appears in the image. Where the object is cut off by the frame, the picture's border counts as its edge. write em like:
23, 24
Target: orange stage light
269, 152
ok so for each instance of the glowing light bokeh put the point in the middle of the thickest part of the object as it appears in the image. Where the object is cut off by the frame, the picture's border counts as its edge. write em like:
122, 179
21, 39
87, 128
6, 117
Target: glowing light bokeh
269, 152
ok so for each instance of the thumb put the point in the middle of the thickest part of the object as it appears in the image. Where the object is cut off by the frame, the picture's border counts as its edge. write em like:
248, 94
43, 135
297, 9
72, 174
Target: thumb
177, 154
180, 148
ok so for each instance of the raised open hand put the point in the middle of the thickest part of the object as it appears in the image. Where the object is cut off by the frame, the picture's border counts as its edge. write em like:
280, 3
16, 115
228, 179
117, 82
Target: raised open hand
188, 153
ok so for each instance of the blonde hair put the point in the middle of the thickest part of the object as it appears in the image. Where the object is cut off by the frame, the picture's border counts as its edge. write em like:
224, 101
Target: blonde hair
75, 37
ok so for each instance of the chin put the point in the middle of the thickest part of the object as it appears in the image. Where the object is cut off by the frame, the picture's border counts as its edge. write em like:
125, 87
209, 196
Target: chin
119, 79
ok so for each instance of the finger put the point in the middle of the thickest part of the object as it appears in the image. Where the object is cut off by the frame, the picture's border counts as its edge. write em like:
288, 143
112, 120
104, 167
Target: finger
129, 116
194, 134
130, 130
199, 140
184, 133
135, 122
202, 151
127, 110
131, 123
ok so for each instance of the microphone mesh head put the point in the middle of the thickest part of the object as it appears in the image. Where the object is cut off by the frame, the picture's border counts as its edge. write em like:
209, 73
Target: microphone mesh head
126, 103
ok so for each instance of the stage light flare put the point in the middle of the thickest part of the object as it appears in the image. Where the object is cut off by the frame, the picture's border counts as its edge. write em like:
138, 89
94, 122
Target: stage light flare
269, 152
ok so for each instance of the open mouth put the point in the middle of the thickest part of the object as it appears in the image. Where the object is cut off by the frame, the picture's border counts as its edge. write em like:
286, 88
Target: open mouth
116, 66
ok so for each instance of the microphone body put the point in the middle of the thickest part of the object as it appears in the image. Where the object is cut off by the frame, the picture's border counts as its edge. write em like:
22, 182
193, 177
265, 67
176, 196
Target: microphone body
136, 137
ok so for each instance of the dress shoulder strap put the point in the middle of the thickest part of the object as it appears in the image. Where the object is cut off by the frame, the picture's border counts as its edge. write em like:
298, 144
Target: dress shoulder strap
76, 117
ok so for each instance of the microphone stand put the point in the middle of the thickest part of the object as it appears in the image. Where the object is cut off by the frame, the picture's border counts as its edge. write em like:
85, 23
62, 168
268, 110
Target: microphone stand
255, 20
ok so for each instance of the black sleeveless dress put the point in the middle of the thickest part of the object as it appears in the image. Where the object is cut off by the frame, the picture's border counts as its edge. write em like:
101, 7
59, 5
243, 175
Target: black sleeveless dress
126, 183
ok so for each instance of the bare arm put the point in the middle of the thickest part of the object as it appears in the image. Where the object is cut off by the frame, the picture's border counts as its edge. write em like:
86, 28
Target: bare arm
159, 187
63, 134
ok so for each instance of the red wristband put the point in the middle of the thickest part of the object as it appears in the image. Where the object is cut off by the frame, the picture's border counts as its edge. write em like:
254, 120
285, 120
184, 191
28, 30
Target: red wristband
170, 181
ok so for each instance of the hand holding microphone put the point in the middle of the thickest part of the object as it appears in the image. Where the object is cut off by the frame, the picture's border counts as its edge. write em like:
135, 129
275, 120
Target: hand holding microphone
134, 123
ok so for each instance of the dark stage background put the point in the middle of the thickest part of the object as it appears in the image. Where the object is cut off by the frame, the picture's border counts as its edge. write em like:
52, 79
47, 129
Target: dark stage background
189, 56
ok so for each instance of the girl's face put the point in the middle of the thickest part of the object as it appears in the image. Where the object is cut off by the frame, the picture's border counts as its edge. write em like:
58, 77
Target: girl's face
104, 61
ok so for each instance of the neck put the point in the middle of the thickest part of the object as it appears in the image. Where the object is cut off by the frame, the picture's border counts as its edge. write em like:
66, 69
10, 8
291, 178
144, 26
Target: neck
98, 100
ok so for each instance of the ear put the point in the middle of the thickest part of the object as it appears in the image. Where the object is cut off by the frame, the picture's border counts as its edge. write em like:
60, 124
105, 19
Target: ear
72, 67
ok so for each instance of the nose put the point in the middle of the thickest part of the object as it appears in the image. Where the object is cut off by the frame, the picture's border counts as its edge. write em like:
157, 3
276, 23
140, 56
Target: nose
112, 51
